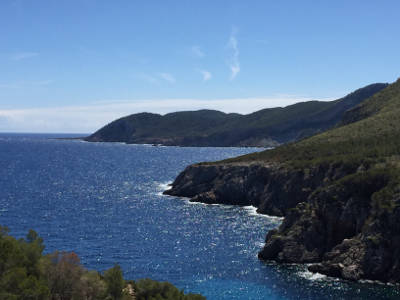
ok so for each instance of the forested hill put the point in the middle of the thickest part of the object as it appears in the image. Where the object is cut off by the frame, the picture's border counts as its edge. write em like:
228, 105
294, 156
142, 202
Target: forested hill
264, 128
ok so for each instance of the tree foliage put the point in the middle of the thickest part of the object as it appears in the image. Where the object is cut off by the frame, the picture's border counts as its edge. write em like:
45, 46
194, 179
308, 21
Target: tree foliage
27, 274
114, 281
147, 289
20, 276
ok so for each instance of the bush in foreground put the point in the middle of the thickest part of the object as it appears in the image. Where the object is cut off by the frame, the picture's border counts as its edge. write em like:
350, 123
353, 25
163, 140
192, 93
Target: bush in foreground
25, 273
147, 289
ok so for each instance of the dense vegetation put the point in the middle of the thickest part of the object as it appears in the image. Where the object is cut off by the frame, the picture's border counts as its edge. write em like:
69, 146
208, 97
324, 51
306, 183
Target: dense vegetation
267, 127
25, 273
147, 289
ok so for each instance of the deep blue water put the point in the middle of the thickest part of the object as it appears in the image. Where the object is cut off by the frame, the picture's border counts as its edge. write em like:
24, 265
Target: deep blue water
103, 201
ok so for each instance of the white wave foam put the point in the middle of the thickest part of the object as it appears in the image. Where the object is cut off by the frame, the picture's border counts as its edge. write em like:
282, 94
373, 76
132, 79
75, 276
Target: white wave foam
311, 276
223, 206
260, 244
187, 201
252, 210
162, 186
144, 145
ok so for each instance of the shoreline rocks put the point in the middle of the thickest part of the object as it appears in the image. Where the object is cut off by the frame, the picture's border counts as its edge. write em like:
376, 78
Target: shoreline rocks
333, 217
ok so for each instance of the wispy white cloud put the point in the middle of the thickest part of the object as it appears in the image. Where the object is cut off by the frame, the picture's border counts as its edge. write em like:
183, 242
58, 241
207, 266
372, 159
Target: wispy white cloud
206, 75
197, 52
12, 85
78, 119
167, 77
40, 82
233, 60
146, 77
25, 84
23, 55
155, 79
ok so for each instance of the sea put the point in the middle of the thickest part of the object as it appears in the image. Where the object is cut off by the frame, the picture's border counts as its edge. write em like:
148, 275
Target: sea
104, 202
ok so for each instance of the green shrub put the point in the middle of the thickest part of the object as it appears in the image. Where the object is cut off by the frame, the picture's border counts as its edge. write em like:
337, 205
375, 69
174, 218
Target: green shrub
147, 289
115, 282
25, 273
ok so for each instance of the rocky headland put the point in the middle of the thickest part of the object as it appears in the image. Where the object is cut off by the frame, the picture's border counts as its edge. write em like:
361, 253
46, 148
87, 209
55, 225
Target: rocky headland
271, 187
339, 192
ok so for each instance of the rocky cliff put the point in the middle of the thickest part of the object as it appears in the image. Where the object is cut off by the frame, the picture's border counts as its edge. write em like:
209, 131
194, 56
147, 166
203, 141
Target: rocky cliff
339, 192
344, 218
272, 188
348, 228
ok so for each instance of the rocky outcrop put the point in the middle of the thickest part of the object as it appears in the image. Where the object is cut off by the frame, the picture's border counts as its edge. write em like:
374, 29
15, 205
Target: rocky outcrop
337, 216
272, 188
339, 192
348, 229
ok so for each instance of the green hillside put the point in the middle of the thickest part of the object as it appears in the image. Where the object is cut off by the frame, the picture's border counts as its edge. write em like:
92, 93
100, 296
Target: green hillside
339, 192
267, 127
348, 224
369, 132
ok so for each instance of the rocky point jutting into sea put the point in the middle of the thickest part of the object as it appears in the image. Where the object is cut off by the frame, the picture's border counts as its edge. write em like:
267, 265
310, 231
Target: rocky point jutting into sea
339, 192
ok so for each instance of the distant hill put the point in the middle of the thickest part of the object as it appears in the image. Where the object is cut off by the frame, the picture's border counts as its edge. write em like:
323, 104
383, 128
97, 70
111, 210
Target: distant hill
367, 131
264, 128
339, 192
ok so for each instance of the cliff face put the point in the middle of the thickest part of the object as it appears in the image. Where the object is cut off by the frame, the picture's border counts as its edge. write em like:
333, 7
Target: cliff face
339, 192
348, 228
343, 218
272, 188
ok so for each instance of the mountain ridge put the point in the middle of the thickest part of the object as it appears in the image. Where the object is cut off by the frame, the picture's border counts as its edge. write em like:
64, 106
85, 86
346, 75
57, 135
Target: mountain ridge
264, 128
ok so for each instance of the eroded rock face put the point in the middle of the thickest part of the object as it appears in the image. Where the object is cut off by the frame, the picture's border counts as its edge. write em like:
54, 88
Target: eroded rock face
374, 253
336, 217
345, 228
272, 188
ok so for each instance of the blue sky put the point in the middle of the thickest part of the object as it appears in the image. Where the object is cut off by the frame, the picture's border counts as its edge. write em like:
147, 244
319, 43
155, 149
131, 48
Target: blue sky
72, 66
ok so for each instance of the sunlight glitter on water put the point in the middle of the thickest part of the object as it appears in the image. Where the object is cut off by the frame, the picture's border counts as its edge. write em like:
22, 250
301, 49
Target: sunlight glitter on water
107, 206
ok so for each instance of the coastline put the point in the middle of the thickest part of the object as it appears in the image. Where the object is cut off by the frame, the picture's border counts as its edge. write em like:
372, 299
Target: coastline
313, 229
250, 209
